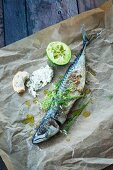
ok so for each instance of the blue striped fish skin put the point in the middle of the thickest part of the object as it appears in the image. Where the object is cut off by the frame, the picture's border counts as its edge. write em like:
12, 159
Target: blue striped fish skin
54, 117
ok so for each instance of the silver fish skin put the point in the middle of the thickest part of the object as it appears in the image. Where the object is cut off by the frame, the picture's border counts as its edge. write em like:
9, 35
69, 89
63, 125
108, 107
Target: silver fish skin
56, 115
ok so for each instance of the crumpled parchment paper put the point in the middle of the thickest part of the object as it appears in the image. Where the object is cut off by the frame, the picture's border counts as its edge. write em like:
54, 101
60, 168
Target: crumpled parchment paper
89, 145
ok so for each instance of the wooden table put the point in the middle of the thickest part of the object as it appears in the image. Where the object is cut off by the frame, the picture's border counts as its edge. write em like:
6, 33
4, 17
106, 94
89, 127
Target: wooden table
21, 18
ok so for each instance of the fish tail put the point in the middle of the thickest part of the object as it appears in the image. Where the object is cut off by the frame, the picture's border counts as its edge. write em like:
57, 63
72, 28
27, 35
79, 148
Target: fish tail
84, 36
88, 39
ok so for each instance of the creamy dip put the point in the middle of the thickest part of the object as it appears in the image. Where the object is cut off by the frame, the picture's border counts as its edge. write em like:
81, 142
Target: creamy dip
39, 79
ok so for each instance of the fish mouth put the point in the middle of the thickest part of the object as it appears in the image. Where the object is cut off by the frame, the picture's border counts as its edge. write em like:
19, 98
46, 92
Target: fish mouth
38, 138
46, 130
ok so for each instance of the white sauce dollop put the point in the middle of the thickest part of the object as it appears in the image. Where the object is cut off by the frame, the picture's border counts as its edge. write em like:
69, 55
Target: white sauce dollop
39, 79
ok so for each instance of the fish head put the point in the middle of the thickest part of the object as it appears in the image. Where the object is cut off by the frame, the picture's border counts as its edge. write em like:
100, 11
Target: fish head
47, 129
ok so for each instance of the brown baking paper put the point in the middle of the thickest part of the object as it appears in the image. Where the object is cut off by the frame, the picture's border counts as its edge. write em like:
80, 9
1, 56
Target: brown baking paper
89, 144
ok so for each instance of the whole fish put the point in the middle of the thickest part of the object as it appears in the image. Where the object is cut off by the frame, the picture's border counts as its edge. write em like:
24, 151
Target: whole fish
57, 113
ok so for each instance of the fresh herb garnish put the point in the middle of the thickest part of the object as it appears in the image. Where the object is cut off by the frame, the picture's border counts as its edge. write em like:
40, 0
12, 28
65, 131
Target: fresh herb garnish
110, 97
73, 118
47, 101
49, 95
62, 99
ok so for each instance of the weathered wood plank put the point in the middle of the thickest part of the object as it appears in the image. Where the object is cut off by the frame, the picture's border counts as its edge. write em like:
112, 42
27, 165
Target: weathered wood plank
85, 5
14, 20
1, 25
43, 13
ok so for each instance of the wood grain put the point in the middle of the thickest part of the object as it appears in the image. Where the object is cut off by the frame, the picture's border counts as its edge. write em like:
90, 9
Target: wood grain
1, 26
14, 20
85, 5
43, 13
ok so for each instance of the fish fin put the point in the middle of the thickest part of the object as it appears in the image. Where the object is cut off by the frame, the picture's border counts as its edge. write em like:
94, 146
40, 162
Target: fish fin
60, 118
